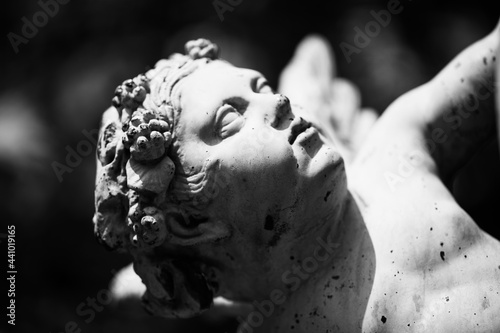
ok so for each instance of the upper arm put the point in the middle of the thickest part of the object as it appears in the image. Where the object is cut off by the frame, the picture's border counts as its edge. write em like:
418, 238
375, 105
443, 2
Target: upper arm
464, 109
453, 115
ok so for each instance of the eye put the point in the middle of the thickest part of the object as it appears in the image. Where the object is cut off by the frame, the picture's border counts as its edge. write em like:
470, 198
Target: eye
263, 87
229, 121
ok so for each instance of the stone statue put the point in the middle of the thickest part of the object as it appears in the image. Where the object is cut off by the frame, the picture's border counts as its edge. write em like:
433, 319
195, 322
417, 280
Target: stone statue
218, 186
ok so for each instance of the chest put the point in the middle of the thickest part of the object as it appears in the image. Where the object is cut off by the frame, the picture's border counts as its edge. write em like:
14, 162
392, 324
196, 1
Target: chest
444, 283
415, 307
436, 271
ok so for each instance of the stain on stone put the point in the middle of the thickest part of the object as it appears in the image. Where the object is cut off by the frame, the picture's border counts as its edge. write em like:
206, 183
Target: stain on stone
485, 61
280, 230
417, 300
441, 244
383, 319
269, 224
486, 303
441, 254
314, 312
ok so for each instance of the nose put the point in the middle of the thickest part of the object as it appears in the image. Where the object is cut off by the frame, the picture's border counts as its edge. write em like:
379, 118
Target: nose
281, 111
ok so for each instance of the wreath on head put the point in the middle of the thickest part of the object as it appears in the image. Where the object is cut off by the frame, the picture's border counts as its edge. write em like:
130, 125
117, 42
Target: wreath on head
134, 174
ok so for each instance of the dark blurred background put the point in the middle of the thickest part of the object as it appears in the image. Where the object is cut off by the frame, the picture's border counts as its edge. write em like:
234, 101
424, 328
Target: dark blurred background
55, 87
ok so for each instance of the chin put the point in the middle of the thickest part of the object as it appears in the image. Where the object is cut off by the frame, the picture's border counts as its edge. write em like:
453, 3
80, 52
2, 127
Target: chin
327, 160
316, 156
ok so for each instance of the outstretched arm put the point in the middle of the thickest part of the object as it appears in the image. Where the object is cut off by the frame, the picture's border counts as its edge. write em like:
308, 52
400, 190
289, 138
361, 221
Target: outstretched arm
465, 108
453, 115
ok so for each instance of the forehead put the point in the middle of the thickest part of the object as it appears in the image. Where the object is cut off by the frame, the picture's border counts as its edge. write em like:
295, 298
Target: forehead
206, 89
214, 80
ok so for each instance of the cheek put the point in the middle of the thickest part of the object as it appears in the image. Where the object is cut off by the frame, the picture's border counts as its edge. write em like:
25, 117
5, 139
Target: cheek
267, 176
265, 161
264, 148
262, 170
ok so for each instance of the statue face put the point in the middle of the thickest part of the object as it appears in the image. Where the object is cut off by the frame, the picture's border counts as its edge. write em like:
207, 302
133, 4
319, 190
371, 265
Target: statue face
274, 166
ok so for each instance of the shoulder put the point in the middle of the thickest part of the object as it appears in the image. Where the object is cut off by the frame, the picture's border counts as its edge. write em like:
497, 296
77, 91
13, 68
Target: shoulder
457, 297
398, 146
436, 272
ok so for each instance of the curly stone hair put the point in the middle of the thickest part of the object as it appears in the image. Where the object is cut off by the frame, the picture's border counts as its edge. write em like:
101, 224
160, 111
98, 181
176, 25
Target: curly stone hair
140, 189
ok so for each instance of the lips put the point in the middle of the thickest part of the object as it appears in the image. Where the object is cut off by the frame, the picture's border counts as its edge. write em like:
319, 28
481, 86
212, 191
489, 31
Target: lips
298, 125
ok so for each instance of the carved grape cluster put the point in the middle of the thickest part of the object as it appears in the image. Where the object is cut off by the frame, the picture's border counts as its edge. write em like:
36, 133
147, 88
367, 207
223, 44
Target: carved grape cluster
146, 135
131, 93
202, 48
147, 227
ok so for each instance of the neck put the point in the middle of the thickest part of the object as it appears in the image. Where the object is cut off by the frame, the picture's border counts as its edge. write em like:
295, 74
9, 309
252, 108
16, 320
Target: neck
343, 288
301, 259
338, 293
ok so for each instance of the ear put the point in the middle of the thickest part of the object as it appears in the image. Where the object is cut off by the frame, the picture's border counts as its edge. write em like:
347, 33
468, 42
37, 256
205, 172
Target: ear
185, 229
109, 137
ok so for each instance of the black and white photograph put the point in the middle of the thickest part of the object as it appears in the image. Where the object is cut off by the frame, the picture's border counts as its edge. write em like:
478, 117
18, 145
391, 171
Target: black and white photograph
250, 166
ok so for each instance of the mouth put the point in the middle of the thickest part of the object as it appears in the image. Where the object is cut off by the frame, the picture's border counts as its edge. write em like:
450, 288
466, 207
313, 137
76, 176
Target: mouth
298, 126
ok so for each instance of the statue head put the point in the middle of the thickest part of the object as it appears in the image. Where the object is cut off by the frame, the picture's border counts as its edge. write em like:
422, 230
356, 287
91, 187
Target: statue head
204, 173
